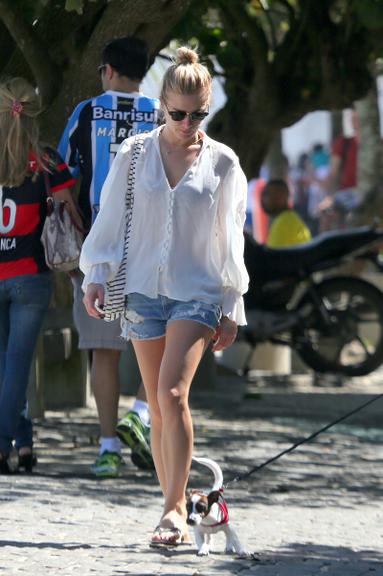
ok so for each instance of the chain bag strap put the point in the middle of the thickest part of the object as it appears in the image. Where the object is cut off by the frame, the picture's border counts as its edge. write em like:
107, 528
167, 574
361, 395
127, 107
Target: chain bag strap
114, 305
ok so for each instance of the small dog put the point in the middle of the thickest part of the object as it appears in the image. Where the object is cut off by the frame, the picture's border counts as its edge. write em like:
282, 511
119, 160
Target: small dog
208, 514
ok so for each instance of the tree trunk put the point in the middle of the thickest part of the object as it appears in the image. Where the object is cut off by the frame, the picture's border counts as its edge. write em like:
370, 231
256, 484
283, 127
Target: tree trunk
336, 124
275, 159
370, 158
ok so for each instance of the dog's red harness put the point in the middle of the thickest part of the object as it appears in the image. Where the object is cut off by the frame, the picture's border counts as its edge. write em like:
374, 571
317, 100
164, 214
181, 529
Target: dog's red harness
224, 513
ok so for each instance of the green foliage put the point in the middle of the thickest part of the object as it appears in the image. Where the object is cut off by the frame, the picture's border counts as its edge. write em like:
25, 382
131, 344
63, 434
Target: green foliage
31, 9
76, 5
370, 13
294, 33
203, 22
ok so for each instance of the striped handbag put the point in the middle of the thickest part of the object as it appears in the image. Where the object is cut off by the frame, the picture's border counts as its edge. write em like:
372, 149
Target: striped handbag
114, 304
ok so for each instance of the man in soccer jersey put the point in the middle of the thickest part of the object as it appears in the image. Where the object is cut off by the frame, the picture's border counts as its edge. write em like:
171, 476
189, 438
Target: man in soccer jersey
89, 143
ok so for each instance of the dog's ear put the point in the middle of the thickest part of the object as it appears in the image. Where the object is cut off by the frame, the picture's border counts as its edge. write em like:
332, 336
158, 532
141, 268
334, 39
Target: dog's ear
213, 497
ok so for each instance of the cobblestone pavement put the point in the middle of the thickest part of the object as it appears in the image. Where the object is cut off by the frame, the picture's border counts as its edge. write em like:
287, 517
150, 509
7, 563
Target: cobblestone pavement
316, 511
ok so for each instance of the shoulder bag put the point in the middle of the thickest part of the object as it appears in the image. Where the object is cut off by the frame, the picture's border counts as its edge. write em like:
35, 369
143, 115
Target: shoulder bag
61, 238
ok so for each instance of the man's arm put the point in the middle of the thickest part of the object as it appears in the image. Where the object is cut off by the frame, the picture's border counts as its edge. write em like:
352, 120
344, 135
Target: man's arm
68, 146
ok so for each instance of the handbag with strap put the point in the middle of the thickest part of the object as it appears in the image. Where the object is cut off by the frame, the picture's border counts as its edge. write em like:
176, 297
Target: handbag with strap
115, 299
61, 238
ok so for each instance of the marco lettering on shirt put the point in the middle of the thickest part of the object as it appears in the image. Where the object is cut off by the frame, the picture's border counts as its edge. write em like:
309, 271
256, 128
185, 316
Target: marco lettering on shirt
113, 133
133, 115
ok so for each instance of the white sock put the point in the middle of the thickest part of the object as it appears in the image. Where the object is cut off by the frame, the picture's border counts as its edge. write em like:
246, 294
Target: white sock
110, 444
142, 410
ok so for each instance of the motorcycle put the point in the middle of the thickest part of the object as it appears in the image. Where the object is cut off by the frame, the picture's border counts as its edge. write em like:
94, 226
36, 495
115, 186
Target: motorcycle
297, 298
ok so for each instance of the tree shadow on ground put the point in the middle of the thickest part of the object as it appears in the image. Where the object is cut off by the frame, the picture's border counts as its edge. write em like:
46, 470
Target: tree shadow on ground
296, 558
339, 462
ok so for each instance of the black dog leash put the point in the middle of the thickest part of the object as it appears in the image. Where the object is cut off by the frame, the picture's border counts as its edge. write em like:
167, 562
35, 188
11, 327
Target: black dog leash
294, 446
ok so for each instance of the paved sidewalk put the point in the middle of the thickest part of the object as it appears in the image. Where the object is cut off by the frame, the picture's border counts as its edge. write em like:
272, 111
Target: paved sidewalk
317, 511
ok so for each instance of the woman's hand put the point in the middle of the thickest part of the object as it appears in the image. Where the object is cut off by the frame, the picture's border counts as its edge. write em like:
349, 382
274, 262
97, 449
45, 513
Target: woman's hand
225, 334
94, 300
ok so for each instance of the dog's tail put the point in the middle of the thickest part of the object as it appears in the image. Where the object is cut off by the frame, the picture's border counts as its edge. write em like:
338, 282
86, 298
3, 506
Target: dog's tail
215, 468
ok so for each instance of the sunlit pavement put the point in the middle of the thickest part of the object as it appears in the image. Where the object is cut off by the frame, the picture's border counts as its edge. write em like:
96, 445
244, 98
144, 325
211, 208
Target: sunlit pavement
315, 511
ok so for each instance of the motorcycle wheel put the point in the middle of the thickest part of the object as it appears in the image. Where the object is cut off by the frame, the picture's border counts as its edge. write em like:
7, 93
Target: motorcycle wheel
352, 342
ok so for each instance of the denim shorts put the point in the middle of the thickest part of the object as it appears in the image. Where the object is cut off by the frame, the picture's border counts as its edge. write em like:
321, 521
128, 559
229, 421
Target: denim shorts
147, 318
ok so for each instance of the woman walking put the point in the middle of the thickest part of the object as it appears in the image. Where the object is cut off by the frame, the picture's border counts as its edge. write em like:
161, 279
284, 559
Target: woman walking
185, 272
25, 282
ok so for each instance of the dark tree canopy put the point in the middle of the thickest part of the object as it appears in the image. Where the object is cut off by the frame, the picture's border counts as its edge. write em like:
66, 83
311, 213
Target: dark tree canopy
280, 58
57, 44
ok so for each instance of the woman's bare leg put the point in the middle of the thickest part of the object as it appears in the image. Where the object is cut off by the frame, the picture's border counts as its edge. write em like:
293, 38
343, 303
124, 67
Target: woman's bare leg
186, 342
167, 368
149, 357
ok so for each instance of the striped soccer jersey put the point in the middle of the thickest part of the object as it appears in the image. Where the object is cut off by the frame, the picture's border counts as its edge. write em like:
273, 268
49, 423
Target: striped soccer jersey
22, 216
93, 135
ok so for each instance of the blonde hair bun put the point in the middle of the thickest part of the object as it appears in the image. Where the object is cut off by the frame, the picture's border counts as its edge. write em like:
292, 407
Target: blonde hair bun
187, 75
186, 56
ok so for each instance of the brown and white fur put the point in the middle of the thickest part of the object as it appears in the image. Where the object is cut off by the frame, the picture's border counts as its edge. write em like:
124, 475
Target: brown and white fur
208, 514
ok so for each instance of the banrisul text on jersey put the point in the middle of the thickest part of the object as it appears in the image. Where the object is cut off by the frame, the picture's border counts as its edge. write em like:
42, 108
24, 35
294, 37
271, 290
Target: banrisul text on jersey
93, 135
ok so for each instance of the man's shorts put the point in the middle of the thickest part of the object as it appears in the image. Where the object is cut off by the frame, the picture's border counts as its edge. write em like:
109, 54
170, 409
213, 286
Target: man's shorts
94, 333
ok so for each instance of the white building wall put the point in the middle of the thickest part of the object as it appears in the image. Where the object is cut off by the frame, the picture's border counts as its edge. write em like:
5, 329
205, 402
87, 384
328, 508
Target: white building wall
300, 137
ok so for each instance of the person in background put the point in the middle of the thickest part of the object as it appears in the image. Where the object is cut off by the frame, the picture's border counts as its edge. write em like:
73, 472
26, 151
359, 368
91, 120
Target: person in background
257, 223
25, 280
301, 180
89, 143
187, 272
287, 228
320, 163
319, 156
342, 196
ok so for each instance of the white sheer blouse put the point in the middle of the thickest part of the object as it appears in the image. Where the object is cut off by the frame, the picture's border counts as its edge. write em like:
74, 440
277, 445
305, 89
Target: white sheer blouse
186, 242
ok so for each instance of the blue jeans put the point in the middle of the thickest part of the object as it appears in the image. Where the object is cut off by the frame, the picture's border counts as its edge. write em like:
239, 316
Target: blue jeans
23, 302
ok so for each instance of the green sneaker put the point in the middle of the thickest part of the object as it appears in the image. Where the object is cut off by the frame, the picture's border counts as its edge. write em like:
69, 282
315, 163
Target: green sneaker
107, 465
135, 434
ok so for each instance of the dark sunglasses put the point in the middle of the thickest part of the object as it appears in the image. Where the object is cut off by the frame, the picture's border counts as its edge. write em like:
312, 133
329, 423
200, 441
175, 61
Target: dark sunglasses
101, 69
178, 115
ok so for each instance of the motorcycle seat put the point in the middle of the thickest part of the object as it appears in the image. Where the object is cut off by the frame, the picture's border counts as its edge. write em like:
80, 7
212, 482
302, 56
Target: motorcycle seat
271, 263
